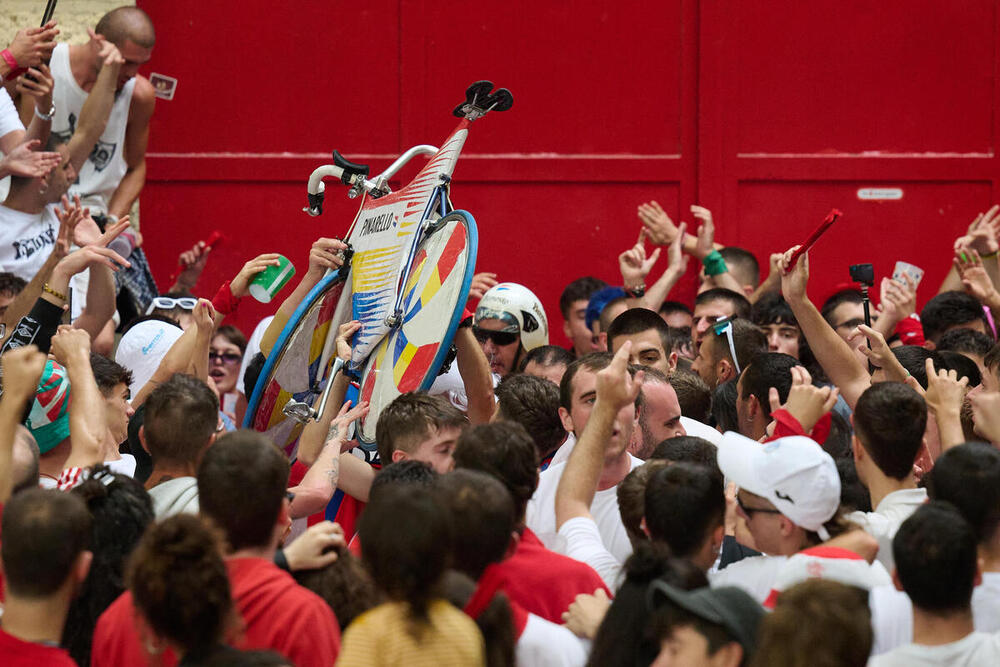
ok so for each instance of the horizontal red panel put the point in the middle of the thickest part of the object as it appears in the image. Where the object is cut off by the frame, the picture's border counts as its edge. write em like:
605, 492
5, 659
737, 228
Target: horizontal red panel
296, 168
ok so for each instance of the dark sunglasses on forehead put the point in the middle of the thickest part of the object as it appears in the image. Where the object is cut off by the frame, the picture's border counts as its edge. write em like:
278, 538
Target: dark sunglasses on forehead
499, 338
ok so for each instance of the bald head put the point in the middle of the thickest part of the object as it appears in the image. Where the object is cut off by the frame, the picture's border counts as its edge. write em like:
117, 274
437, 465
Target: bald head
127, 23
24, 460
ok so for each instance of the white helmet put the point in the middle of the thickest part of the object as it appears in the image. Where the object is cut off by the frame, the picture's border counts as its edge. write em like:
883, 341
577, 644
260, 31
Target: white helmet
520, 309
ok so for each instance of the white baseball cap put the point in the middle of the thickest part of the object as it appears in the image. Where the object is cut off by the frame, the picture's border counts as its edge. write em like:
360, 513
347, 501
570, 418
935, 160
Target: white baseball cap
794, 474
143, 347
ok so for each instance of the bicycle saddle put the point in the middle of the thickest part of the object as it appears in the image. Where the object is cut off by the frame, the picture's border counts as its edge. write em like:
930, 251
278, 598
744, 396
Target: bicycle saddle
479, 100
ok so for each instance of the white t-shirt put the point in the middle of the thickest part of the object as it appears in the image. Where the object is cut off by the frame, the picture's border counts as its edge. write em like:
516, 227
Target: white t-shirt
253, 347
541, 513
892, 613
565, 449
545, 644
26, 240
975, 650
883, 523
700, 430
755, 575
452, 387
582, 541
9, 120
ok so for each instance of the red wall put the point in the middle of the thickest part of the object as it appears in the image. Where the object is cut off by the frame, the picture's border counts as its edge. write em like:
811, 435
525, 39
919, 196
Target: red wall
767, 113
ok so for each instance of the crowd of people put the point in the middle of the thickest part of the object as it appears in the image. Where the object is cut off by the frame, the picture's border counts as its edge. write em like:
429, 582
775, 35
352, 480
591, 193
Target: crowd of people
754, 480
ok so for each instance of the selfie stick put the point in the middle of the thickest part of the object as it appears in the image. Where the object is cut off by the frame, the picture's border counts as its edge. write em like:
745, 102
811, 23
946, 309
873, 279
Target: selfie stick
830, 218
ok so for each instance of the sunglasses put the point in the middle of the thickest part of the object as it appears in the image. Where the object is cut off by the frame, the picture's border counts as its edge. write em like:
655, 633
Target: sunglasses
167, 303
225, 357
499, 338
726, 327
749, 511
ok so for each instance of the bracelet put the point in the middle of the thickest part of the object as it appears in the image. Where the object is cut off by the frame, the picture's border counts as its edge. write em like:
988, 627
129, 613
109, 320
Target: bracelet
44, 116
714, 263
636, 292
58, 295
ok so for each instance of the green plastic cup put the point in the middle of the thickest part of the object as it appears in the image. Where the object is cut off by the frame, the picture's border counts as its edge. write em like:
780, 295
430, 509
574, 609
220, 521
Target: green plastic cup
269, 282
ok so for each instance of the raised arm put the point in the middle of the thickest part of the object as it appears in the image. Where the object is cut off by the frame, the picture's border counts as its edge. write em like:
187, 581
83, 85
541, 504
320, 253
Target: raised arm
323, 256
88, 426
677, 264
97, 108
474, 369
319, 483
578, 484
945, 395
981, 237
22, 369
834, 355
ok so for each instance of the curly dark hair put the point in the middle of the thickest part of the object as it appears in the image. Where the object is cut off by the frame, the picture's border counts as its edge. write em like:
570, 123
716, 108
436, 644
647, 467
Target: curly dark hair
180, 585
344, 584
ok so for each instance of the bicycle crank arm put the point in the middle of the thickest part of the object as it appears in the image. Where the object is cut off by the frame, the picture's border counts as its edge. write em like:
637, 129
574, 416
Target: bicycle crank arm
303, 412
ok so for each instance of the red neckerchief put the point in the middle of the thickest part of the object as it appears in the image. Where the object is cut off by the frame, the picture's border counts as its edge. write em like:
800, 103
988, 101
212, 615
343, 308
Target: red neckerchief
489, 585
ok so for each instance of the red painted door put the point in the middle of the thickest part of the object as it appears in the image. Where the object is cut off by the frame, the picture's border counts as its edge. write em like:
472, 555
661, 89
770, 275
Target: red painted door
768, 113
884, 110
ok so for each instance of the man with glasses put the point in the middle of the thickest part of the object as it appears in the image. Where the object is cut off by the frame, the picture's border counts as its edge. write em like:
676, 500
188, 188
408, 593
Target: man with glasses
789, 496
509, 322
728, 347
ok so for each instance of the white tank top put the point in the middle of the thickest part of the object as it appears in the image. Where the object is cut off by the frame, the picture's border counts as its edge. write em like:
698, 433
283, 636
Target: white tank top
105, 167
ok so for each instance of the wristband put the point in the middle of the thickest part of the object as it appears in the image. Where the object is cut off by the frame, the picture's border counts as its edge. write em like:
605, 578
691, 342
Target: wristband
989, 255
224, 302
11, 61
714, 263
281, 560
37, 327
636, 292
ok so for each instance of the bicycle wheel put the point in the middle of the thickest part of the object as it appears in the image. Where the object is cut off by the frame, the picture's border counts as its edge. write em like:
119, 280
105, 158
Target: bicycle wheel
408, 358
292, 368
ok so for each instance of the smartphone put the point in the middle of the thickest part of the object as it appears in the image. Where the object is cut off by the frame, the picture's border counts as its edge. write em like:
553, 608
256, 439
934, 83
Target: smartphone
904, 269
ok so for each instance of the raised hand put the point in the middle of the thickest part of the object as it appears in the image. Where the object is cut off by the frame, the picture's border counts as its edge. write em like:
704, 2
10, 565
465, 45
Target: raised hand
945, 392
481, 284
326, 254
37, 82
344, 334
634, 264
107, 53
204, 316
794, 282
240, 285
706, 232
342, 423
22, 368
615, 385
806, 402
661, 229
33, 45
880, 354
27, 162
677, 259
69, 344
974, 278
898, 299
982, 233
